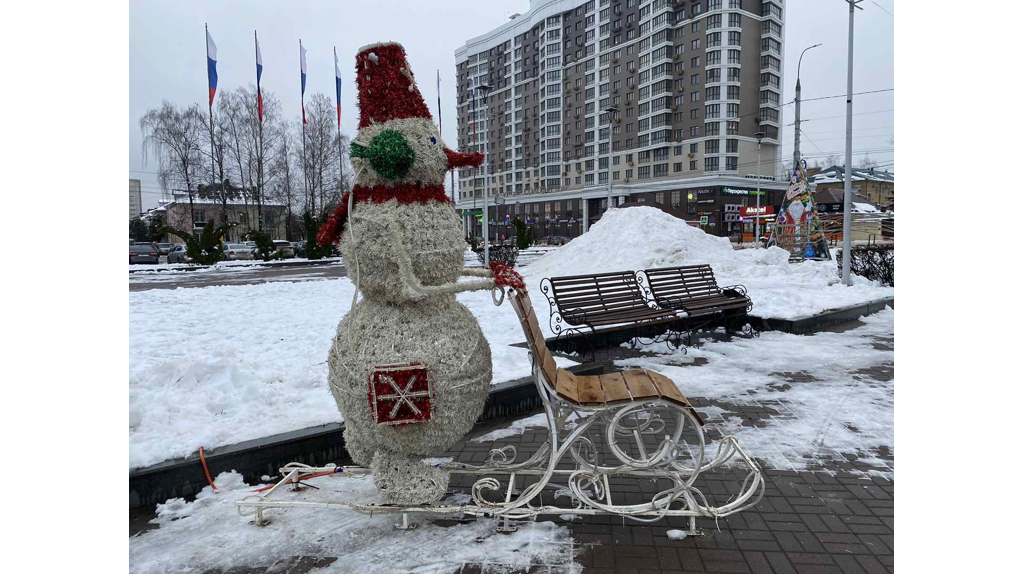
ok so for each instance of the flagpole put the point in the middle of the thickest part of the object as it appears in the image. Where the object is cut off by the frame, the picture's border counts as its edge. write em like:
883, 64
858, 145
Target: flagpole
341, 157
259, 148
213, 160
305, 187
439, 132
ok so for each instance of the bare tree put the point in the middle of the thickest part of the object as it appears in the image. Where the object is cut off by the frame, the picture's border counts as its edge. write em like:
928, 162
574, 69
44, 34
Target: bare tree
285, 188
867, 162
176, 137
832, 159
323, 168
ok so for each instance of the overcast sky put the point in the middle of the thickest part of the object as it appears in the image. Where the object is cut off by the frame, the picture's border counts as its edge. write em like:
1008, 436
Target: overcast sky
167, 60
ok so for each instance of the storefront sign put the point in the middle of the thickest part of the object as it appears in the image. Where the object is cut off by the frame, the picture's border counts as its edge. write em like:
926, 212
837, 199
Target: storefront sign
753, 210
706, 191
705, 201
703, 220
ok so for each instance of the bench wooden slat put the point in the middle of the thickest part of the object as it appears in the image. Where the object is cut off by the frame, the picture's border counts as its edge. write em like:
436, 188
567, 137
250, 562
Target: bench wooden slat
615, 389
589, 390
547, 363
567, 385
640, 385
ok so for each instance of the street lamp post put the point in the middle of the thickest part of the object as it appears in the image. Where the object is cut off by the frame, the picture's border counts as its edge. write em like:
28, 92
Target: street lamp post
610, 111
796, 122
757, 214
487, 238
847, 184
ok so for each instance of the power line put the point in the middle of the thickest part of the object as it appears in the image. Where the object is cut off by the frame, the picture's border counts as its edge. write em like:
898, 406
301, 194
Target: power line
882, 9
843, 116
844, 95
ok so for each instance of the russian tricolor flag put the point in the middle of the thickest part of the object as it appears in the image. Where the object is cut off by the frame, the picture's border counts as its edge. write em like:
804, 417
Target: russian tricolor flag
302, 71
337, 84
211, 65
259, 74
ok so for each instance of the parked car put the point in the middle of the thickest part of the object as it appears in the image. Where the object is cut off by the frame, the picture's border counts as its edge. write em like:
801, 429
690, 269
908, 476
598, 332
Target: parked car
177, 254
284, 248
557, 240
165, 248
237, 251
143, 253
300, 248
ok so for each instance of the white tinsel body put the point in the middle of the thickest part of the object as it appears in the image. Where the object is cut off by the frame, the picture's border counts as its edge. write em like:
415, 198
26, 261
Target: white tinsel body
392, 325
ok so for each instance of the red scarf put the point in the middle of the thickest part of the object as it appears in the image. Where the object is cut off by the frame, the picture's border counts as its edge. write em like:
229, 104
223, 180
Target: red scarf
406, 193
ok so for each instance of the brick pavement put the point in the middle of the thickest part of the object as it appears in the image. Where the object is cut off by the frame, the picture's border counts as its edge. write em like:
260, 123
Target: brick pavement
807, 522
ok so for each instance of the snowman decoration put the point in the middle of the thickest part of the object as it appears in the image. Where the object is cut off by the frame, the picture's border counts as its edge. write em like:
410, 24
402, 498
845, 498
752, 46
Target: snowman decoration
410, 368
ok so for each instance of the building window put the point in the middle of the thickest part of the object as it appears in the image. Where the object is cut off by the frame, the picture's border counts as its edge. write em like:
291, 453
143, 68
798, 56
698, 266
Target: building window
730, 163
711, 164
732, 146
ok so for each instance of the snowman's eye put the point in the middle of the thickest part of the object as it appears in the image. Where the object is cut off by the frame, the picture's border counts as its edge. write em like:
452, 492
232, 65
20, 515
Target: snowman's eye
433, 140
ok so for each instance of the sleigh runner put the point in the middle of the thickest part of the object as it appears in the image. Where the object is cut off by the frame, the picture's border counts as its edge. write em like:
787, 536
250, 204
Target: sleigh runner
645, 426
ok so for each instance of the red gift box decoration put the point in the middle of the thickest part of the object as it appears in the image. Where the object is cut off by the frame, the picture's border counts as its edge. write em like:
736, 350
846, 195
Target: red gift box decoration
400, 394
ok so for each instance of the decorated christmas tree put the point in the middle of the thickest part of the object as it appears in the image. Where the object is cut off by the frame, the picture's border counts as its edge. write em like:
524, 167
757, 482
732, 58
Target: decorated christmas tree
797, 228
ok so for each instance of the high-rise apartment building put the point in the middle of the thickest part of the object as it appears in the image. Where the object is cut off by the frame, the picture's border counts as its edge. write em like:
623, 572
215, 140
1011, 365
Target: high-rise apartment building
662, 97
134, 198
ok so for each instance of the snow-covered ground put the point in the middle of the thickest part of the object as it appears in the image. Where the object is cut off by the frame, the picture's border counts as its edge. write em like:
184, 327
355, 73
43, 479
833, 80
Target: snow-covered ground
217, 365
208, 534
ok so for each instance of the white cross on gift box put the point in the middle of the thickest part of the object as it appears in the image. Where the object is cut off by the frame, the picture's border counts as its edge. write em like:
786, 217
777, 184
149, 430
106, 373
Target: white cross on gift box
400, 394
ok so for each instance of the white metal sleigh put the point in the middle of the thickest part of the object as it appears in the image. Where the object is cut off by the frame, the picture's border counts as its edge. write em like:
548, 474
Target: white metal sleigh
645, 426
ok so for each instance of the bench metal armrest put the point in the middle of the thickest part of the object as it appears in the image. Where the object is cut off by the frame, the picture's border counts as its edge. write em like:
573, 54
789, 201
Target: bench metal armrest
673, 302
738, 289
574, 316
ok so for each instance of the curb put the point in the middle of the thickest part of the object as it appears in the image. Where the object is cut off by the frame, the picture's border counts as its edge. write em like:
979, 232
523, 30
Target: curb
316, 446
309, 263
812, 323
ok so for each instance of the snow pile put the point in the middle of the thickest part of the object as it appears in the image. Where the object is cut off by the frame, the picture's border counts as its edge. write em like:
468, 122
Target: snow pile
637, 238
209, 535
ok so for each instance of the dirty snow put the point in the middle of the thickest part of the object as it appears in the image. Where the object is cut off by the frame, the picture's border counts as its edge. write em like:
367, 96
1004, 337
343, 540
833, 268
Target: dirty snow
208, 534
842, 411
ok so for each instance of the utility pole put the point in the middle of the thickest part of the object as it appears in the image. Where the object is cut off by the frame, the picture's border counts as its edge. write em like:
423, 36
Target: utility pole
847, 182
796, 129
611, 112
757, 214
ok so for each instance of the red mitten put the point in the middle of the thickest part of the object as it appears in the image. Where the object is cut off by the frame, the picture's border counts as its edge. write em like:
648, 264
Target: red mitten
504, 276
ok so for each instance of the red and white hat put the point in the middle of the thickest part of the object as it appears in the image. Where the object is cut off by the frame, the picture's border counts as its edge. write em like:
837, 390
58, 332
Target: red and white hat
387, 89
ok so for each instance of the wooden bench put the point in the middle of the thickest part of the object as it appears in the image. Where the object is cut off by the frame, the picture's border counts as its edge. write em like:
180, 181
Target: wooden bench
593, 391
693, 289
603, 301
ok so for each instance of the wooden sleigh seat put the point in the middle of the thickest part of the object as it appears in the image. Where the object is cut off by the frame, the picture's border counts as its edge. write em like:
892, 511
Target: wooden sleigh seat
593, 391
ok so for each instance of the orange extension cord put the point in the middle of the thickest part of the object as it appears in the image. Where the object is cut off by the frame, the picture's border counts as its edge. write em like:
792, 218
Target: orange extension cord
202, 459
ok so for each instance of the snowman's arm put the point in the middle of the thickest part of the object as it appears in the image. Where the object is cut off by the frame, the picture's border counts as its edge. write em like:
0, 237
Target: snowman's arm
471, 272
413, 283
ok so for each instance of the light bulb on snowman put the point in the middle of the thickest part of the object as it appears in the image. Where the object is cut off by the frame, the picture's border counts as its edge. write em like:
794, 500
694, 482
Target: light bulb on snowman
410, 367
